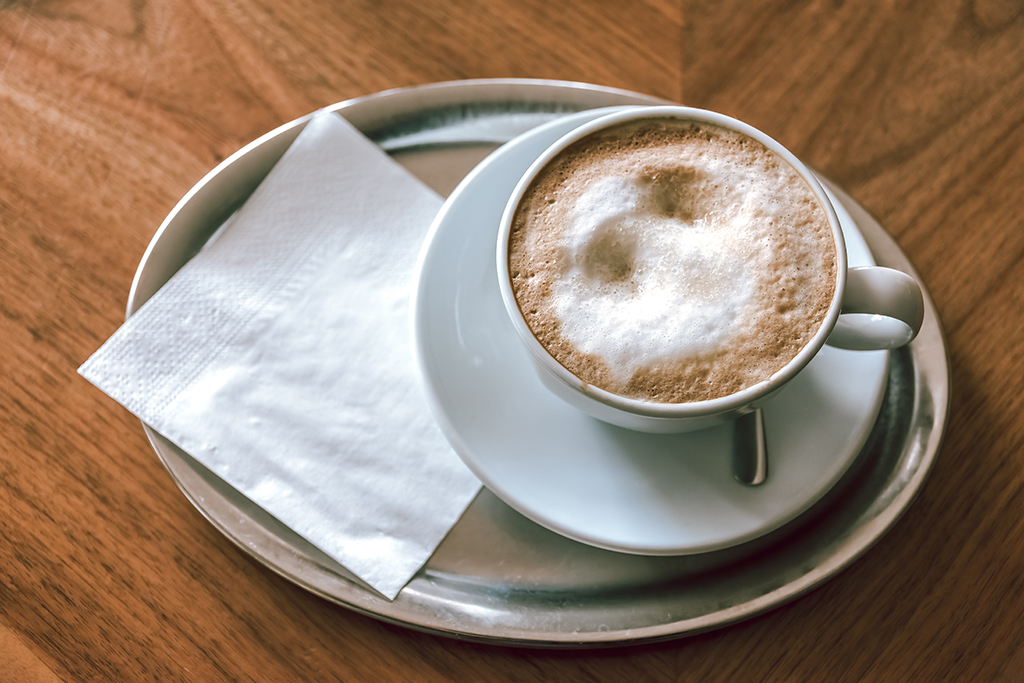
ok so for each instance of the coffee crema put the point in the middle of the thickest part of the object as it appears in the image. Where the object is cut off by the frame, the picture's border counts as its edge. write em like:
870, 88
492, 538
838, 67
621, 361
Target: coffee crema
671, 260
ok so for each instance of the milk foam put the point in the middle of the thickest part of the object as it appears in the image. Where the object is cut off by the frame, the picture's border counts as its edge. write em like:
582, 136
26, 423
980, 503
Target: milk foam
674, 266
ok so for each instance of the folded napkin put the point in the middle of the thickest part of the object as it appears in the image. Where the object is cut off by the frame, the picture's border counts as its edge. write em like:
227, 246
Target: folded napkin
280, 357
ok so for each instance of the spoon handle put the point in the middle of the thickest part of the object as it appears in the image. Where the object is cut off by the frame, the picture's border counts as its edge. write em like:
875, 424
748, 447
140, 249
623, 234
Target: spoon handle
749, 451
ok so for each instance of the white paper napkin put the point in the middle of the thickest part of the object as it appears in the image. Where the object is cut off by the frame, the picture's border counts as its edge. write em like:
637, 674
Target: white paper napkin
281, 358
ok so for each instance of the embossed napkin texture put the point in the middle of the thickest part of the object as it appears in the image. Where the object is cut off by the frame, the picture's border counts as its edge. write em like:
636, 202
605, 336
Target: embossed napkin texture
281, 358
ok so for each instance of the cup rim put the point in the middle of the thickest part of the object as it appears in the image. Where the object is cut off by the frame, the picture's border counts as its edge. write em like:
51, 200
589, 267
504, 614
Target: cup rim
736, 401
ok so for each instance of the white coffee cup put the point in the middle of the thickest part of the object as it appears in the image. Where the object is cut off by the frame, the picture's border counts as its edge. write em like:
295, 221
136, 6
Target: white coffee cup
872, 308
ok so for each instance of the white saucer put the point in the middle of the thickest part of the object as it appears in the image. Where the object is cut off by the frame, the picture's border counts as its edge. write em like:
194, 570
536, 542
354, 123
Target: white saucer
595, 483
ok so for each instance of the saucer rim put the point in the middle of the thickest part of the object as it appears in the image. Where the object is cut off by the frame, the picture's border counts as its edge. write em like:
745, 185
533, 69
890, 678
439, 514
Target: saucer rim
423, 325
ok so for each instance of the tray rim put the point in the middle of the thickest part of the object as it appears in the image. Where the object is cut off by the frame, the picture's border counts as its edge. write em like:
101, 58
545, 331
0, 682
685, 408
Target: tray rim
931, 372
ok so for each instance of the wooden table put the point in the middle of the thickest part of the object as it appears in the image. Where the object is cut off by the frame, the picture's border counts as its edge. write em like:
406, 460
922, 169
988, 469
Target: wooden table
111, 110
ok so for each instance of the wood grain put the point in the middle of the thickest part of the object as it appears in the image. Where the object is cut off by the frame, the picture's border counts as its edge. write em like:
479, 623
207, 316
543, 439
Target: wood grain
110, 110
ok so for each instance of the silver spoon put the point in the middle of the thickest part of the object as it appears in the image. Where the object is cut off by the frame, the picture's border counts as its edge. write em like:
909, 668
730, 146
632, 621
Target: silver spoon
749, 450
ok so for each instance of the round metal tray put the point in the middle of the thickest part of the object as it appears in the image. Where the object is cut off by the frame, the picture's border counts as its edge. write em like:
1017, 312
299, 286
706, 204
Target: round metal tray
498, 577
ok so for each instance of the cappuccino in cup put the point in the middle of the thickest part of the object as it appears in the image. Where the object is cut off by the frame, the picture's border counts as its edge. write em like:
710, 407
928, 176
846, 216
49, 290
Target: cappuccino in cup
671, 260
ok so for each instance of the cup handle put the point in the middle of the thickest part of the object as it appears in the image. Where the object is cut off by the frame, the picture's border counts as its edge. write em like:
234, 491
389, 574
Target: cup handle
882, 308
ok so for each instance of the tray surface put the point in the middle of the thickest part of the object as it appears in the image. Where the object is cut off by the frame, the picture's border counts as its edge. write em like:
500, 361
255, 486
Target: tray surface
499, 577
